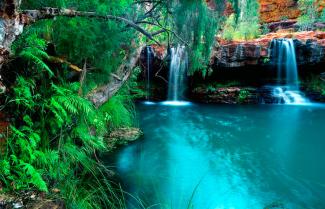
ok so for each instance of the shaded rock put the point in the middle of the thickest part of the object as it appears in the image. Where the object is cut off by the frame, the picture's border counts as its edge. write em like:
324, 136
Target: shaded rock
47, 204
280, 25
160, 52
225, 95
237, 95
123, 136
29, 200
4, 128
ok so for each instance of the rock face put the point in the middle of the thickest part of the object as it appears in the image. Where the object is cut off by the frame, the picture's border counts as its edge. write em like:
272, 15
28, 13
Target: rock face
226, 95
277, 10
310, 49
123, 136
244, 95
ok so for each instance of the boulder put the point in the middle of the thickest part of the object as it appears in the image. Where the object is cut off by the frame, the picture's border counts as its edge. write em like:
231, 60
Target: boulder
123, 136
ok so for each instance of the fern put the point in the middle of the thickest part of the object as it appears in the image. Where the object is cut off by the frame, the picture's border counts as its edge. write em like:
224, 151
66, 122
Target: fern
72, 102
56, 132
31, 55
35, 176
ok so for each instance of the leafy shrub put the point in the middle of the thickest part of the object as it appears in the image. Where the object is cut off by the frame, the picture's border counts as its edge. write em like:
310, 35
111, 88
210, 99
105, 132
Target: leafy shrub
56, 134
310, 14
245, 25
314, 83
322, 16
243, 94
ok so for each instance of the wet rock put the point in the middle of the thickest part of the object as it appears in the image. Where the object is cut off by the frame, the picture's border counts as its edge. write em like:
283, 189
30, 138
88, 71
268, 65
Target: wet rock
236, 95
123, 136
225, 95
29, 200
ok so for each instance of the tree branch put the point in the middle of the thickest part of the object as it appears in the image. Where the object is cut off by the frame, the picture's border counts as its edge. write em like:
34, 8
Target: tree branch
48, 13
103, 93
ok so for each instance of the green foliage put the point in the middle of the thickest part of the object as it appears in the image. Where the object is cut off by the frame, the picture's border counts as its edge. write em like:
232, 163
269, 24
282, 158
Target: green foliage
266, 60
229, 27
243, 25
18, 169
56, 134
265, 29
315, 84
197, 25
102, 43
118, 112
243, 94
284, 18
322, 16
310, 14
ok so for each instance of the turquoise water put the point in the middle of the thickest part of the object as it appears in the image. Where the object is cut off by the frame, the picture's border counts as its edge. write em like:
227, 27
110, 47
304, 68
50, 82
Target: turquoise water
226, 157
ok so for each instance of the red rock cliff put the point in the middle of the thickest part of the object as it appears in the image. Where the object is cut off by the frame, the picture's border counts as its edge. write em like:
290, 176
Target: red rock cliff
277, 10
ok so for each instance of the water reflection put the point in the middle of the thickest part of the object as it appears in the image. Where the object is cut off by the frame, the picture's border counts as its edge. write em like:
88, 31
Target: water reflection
229, 157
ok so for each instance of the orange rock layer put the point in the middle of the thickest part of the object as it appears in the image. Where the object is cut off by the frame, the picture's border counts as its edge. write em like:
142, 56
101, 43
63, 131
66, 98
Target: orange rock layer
311, 49
277, 10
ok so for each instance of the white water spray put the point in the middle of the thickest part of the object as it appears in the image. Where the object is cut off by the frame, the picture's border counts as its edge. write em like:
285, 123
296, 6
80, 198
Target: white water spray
285, 56
177, 76
148, 86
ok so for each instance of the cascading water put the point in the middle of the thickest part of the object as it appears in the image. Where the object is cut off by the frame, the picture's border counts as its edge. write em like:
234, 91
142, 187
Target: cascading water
148, 63
177, 75
285, 56
148, 72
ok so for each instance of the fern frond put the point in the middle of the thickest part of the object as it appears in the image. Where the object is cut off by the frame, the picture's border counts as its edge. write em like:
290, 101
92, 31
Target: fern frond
38, 61
36, 178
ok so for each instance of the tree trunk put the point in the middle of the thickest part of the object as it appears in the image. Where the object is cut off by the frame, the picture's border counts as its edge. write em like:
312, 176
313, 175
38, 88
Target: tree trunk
11, 25
103, 93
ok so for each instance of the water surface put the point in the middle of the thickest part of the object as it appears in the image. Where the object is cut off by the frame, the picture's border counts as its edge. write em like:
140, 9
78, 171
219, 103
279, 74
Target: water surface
226, 157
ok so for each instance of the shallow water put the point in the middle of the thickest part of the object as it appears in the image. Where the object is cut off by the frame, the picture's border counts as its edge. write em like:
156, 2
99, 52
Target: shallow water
227, 157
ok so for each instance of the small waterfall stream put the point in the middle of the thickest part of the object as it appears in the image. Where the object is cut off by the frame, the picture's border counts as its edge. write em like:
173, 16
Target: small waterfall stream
177, 76
284, 56
148, 75
148, 72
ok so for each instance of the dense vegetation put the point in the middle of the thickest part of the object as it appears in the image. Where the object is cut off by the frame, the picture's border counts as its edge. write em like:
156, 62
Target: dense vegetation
56, 134
244, 24
310, 14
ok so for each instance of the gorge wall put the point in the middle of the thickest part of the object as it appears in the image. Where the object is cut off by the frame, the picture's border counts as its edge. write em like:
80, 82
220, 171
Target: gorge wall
310, 49
277, 10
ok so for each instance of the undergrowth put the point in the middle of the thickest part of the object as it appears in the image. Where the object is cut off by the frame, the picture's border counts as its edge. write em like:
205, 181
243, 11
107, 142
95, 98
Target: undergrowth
244, 24
56, 134
315, 84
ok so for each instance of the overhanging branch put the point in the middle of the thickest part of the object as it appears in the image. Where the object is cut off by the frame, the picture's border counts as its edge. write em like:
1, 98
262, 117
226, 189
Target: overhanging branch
103, 93
49, 13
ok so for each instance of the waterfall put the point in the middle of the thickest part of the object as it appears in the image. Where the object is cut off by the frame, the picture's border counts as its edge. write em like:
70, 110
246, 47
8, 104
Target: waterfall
177, 76
148, 70
284, 55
